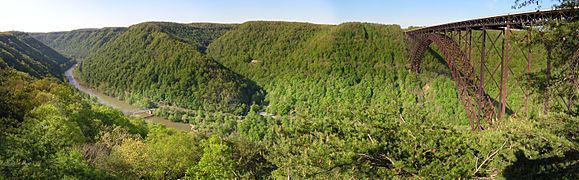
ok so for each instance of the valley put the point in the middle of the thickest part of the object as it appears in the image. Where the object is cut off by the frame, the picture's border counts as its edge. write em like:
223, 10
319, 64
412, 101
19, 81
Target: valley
292, 100
123, 106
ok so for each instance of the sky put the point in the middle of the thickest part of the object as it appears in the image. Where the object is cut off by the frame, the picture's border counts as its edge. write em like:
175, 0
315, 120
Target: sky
65, 15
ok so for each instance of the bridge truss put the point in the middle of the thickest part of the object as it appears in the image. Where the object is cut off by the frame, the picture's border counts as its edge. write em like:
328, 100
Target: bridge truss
455, 42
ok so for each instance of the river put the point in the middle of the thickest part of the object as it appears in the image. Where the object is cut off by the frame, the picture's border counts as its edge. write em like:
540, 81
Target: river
125, 107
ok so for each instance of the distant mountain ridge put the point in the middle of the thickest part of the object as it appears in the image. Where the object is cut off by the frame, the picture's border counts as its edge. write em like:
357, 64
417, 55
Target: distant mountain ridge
303, 66
78, 44
164, 62
20, 51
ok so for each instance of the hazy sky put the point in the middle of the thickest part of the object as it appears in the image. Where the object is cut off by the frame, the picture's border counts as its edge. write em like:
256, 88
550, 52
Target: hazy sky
62, 15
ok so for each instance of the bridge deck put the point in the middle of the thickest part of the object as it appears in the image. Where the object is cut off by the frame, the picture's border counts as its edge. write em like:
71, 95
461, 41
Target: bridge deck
515, 21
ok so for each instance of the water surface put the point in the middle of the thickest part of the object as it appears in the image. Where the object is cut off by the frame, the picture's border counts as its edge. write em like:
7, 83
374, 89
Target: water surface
123, 106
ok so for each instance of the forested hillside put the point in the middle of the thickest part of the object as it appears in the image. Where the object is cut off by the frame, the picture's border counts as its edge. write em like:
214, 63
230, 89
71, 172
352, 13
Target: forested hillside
339, 102
348, 70
272, 100
357, 68
24, 53
49, 130
78, 44
347, 105
163, 63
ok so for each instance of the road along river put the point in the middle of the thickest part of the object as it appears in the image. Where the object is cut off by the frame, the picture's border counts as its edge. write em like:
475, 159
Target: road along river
125, 107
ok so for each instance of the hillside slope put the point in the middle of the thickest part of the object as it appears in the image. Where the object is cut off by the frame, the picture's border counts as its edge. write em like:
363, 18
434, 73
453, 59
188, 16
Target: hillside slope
340, 104
162, 63
357, 68
78, 44
322, 70
345, 105
26, 54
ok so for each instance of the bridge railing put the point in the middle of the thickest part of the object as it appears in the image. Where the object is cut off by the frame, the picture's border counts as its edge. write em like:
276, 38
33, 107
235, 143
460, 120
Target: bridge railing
515, 21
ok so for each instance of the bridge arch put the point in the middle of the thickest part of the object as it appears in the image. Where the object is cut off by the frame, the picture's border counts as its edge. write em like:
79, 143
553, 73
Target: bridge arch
477, 104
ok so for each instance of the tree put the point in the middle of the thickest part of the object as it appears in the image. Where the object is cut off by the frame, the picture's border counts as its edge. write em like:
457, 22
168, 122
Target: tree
537, 3
562, 44
216, 162
52, 128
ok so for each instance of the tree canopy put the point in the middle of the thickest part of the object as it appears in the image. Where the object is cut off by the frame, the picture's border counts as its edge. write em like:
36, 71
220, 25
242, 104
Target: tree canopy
265, 100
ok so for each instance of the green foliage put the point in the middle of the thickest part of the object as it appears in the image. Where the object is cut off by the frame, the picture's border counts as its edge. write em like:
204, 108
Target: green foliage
24, 53
558, 85
41, 144
537, 4
327, 102
317, 70
349, 108
562, 125
16, 98
163, 63
71, 165
255, 127
164, 154
216, 162
78, 44
47, 123
445, 104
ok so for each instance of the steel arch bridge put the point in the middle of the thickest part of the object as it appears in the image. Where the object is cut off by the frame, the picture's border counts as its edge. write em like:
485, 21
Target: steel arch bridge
455, 42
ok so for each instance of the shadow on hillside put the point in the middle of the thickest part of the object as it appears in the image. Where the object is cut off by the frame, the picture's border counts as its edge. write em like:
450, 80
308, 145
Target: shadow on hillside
440, 59
566, 167
252, 93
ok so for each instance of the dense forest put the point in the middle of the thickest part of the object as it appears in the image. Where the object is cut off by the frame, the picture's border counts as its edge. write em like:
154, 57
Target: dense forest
78, 44
24, 53
162, 63
264, 100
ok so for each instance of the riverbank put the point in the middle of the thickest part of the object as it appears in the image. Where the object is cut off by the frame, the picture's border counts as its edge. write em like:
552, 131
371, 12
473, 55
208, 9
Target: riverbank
123, 106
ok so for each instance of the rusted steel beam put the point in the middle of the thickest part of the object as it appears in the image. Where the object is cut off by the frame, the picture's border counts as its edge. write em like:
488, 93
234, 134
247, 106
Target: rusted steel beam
464, 82
481, 92
520, 45
529, 58
494, 47
502, 82
477, 105
473, 115
456, 47
418, 43
504, 73
514, 20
